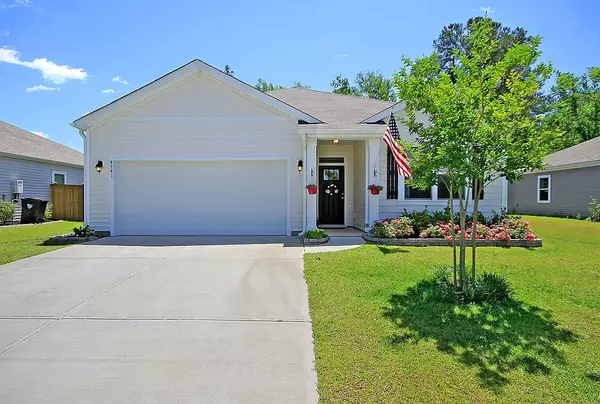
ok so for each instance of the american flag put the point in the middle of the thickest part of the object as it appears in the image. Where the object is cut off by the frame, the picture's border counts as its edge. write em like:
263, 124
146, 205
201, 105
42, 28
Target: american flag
389, 137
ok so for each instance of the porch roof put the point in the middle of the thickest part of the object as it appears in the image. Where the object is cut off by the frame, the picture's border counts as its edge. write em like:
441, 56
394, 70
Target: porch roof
337, 111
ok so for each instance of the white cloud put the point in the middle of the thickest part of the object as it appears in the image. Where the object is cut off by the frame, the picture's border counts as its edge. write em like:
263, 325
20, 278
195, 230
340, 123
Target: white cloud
41, 88
340, 55
50, 70
120, 80
4, 33
7, 5
42, 134
108, 91
487, 10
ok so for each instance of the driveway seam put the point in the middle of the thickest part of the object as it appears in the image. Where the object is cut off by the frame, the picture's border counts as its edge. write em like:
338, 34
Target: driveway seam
66, 313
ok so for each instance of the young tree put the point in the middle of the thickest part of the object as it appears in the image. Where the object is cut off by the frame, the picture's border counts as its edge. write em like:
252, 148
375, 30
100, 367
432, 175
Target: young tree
481, 121
265, 86
298, 84
367, 84
574, 108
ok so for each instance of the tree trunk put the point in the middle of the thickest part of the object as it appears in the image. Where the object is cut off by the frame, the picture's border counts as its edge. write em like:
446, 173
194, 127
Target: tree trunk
477, 190
463, 246
453, 233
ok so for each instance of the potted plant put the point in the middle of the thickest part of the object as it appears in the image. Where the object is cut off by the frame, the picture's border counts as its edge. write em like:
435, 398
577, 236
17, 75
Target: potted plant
375, 189
312, 188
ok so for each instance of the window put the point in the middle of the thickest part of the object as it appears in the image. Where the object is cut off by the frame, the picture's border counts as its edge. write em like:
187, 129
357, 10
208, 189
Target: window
331, 174
59, 177
416, 193
473, 190
392, 176
443, 192
543, 188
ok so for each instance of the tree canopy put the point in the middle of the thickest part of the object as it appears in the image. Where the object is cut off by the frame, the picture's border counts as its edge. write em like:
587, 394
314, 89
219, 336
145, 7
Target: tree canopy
481, 123
265, 86
573, 109
367, 84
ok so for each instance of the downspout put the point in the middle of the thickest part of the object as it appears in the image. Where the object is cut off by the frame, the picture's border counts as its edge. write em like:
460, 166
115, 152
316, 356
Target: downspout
304, 184
86, 175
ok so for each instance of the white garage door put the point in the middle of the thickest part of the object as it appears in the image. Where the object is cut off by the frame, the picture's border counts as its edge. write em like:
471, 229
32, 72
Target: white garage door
201, 198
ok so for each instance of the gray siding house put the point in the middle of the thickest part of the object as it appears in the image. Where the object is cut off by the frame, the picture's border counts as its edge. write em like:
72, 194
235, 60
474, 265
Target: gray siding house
564, 188
36, 161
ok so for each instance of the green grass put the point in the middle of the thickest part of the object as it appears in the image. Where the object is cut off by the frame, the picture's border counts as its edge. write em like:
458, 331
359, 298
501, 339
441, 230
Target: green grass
24, 241
379, 338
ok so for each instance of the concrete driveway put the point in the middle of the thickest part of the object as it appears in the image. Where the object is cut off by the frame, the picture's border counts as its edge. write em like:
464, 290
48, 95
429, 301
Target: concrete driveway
158, 320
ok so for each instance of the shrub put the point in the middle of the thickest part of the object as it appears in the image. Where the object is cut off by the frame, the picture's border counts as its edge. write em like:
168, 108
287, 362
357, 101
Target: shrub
594, 210
488, 288
7, 211
48, 212
393, 228
315, 234
86, 231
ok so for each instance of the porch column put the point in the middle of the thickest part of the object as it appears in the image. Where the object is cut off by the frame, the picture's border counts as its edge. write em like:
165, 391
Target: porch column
311, 177
373, 175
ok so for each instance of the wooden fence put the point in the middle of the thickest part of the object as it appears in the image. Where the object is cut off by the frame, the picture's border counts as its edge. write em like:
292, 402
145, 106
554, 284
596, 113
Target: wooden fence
67, 202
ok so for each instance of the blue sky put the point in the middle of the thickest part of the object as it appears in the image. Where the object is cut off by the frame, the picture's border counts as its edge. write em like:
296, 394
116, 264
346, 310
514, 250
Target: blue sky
62, 59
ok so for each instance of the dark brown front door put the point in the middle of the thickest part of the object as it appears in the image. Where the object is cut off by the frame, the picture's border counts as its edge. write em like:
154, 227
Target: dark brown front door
331, 195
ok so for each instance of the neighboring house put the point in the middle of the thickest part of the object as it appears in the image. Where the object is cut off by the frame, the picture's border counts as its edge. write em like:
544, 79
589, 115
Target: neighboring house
200, 152
36, 161
565, 187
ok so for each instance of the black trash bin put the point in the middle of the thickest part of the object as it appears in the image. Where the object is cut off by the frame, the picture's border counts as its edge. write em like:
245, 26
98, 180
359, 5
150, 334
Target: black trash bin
33, 210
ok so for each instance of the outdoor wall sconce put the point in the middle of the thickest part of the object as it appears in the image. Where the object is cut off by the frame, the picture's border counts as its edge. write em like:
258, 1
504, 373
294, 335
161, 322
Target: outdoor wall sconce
300, 166
99, 166
335, 141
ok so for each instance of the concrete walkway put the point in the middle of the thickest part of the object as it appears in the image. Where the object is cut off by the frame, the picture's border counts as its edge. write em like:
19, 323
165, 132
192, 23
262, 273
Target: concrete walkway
158, 320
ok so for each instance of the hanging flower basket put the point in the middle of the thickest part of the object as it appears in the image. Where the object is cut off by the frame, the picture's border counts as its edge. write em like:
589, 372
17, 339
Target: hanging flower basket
312, 189
375, 189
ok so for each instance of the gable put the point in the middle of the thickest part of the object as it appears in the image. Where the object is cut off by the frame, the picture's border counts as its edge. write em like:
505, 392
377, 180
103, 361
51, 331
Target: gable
178, 77
201, 96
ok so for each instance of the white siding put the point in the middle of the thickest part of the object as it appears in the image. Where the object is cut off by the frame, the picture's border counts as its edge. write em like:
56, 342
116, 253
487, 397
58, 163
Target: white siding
389, 208
36, 176
199, 119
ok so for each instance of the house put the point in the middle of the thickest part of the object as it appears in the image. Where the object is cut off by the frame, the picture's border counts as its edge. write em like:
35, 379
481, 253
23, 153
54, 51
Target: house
37, 162
200, 152
564, 187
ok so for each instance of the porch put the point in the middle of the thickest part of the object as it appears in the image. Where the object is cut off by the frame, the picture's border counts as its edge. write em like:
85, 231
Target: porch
342, 168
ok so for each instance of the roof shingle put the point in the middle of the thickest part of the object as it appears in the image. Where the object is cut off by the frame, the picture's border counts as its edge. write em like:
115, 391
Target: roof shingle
336, 110
585, 152
19, 142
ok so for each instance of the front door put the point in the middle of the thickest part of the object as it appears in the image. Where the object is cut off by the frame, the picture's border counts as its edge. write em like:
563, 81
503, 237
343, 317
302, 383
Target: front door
331, 195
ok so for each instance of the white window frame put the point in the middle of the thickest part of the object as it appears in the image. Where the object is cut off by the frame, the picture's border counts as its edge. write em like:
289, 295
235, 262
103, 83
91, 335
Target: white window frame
54, 172
549, 189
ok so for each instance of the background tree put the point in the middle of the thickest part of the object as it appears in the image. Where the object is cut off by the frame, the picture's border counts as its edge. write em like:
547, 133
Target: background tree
298, 84
574, 108
229, 71
265, 86
475, 131
367, 84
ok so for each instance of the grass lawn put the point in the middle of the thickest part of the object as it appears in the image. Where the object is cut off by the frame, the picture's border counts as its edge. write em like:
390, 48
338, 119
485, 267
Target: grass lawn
24, 241
379, 339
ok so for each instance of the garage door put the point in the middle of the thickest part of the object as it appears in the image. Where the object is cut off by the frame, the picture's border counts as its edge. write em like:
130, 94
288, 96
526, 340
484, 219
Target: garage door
201, 198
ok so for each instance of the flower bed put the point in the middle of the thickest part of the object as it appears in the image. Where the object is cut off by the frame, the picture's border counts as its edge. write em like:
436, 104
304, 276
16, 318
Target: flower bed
423, 228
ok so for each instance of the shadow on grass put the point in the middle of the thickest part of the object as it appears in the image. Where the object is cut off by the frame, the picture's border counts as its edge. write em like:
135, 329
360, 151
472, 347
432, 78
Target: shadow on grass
55, 242
391, 250
494, 338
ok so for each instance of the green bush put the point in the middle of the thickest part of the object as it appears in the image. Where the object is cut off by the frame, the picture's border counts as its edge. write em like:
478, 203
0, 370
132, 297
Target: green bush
86, 231
595, 210
7, 211
488, 288
316, 234
48, 212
